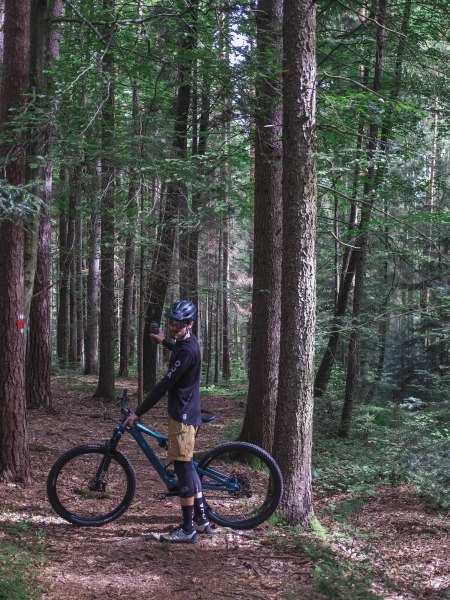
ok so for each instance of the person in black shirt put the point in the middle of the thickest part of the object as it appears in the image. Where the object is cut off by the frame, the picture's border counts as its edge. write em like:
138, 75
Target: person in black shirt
182, 384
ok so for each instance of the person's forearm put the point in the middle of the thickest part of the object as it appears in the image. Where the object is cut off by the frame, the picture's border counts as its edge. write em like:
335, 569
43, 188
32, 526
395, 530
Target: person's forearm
153, 398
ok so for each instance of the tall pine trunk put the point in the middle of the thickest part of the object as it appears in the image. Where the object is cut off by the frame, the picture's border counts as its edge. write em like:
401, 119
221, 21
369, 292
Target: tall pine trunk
14, 455
39, 350
259, 421
106, 375
175, 204
295, 387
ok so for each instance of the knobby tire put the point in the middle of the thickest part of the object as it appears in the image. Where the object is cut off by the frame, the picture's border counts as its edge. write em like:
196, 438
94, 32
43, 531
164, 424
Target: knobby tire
258, 477
79, 498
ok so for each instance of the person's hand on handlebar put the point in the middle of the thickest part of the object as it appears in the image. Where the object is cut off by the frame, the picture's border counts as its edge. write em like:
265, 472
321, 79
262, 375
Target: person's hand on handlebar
130, 421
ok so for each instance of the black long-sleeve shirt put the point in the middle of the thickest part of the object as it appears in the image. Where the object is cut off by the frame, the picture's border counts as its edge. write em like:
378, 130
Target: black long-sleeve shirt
182, 382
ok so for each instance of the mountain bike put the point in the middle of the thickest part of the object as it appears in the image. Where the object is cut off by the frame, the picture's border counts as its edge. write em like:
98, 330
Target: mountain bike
93, 484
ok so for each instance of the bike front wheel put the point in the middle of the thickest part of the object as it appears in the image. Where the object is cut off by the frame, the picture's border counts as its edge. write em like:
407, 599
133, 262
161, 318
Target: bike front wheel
90, 486
242, 485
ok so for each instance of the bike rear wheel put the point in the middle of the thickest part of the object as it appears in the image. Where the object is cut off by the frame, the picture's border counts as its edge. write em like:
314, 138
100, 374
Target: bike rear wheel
242, 485
89, 486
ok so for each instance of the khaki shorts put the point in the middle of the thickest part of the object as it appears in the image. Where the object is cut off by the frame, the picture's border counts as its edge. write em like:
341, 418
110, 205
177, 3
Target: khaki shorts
181, 440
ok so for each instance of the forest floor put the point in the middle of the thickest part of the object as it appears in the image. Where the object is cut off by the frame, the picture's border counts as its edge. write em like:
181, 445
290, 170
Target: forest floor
390, 546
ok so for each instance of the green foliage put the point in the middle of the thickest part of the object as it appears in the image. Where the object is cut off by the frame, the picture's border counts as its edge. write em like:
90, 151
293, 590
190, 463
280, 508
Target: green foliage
333, 575
16, 202
389, 444
318, 529
19, 561
430, 471
232, 430
342, 580
217, 390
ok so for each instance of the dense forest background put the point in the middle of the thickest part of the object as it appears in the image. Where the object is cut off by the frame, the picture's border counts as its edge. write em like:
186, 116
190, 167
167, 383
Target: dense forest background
142, 147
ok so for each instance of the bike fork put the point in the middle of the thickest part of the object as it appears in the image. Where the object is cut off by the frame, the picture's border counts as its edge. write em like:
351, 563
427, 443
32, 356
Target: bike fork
99, 482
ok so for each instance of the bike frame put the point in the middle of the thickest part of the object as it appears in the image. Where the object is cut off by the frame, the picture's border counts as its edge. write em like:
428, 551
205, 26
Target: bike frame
223, 482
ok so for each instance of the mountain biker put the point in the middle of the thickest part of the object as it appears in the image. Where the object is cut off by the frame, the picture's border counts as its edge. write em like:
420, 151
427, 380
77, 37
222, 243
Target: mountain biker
182, 384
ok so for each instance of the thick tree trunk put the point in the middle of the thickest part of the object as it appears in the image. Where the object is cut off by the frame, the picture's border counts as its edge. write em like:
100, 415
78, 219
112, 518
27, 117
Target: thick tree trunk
295, 387
176, 203
106, 375
14, 454
158, 283
39, 349
259, 421
186, 69
39, 33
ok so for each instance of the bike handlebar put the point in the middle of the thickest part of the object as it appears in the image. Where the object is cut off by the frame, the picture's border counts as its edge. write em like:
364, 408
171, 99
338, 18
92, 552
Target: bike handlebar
122, 402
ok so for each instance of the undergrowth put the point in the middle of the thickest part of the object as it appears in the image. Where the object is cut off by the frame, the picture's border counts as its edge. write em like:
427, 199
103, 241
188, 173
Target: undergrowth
333, 575
22, 551
388, 444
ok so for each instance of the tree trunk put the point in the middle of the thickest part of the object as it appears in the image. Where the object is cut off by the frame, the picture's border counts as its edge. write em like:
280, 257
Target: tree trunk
39, 350
39, 347
226, 341
127, 300
293, 427
106, 385
186, 222
92, 297
130, 248
346, 277
39, 32
73, 250
14, 454
174, 207
62, 327
218, 311
198, 150
259, 421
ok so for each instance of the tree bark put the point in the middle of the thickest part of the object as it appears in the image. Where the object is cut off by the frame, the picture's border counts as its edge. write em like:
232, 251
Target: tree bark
130, 251
259, 421
106, 375
175, 205
293, 426
198, 150
92, 297
39, 349
226, 333
14, 454
127, 300
62, 327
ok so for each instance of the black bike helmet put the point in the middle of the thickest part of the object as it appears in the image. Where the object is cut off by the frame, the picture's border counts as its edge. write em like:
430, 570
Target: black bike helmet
183, 310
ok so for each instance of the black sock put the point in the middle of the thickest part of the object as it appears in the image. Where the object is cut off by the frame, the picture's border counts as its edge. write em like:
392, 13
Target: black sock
199, 510
188, 517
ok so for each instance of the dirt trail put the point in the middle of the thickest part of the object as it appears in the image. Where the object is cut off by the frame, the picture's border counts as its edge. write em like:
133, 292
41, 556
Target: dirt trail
124, 558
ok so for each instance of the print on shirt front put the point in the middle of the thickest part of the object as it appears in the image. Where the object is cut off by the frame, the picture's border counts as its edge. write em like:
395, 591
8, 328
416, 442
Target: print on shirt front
181, 382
